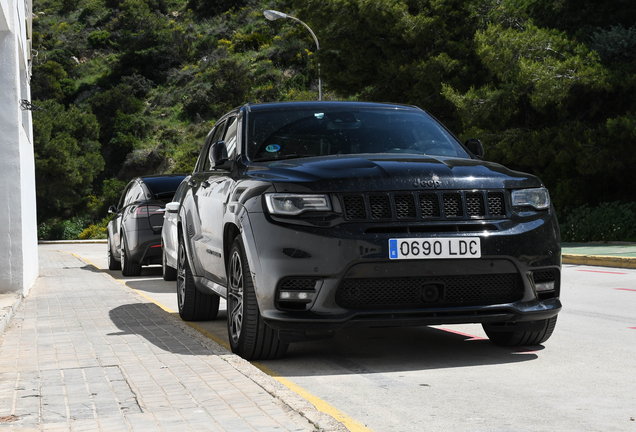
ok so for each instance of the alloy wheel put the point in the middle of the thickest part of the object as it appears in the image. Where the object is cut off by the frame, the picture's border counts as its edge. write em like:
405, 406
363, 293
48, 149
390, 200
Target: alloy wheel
181, 276
235, 296
123, 256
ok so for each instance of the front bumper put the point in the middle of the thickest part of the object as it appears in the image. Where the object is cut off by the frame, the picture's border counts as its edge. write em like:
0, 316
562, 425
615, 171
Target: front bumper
353, 252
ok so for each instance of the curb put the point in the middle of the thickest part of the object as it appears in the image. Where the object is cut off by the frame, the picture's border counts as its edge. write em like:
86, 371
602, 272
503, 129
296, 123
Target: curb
8, 305
600, 260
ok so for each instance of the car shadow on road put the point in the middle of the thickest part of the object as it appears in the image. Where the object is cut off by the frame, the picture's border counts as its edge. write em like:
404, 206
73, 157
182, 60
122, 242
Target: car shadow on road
395, 349
354, 351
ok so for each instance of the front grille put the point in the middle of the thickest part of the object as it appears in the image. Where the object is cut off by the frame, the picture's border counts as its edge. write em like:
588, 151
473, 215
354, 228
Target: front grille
549, 275
408, 292
297, 284
429, 205
496, 204
380, 207
475, 205
453, 205
424, 205
404, 206
354, 207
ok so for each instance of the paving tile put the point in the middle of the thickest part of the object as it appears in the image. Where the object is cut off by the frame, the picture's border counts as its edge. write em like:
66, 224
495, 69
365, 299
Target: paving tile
102, 359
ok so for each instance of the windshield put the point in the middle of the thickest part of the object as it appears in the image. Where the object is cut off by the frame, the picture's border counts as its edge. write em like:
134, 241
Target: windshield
299, 132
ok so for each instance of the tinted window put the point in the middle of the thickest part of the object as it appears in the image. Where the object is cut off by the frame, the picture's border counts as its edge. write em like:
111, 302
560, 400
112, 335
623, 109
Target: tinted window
163, 187
230, 137
180, 191
124, 194
279, 134
135, 193
216, 136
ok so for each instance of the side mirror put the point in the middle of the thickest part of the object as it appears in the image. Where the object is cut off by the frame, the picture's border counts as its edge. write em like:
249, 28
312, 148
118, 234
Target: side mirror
172, 207
475, 146
218, 154
112, 209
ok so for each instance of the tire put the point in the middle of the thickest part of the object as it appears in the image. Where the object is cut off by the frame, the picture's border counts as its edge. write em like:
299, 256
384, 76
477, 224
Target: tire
194, 305
128, 266
169, 273
518, 338
250, 337
113, 264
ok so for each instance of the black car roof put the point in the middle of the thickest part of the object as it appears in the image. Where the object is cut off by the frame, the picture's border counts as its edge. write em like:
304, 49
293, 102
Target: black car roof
325, 104
161, 183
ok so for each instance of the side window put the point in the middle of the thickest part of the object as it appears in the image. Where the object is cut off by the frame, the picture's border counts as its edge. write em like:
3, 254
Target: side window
230, 137
178, 195
134, 194
216, 136
124, 195
146, 193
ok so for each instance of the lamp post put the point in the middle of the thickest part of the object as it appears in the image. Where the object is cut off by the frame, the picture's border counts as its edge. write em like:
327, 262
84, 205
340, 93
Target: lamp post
273, 15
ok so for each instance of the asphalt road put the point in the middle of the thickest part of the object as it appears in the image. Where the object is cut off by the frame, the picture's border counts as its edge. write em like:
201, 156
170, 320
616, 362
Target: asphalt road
453, 379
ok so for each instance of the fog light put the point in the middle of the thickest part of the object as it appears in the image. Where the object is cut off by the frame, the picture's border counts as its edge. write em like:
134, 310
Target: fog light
545, 286
296, 295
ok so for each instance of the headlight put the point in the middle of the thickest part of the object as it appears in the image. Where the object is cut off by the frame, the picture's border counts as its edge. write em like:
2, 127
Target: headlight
539, 198
294, 204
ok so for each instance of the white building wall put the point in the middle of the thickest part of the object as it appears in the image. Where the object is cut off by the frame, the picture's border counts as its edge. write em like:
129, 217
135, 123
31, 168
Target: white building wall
18, 224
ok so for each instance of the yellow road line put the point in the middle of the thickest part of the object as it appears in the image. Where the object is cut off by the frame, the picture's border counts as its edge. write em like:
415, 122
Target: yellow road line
321, 405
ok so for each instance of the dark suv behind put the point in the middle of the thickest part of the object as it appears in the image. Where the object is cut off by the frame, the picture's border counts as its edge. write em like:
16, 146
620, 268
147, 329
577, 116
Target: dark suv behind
134, 233
315, 216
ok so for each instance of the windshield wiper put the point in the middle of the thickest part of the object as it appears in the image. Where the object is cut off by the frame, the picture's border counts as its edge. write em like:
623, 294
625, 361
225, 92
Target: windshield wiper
289, 156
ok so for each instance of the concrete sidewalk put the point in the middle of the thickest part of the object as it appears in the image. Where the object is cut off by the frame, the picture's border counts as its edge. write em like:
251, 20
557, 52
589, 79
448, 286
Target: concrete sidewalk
85, 353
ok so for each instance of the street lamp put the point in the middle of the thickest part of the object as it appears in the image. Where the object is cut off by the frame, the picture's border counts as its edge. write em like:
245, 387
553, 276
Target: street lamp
273, 15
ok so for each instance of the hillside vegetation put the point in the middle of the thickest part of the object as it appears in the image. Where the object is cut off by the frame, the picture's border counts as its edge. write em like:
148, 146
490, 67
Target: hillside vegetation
132, 87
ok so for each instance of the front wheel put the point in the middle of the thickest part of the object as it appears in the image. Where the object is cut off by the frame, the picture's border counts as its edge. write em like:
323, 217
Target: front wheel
518, 338
250, 337
194, 305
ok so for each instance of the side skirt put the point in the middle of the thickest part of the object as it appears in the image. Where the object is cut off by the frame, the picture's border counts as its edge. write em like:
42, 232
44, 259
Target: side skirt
207, 286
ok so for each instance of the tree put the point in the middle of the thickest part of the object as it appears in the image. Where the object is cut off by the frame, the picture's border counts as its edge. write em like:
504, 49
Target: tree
50, 82
553, 109
395, 50
67, 157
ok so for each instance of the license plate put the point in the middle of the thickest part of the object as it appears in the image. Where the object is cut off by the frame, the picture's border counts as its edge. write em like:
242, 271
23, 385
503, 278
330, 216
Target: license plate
431, 248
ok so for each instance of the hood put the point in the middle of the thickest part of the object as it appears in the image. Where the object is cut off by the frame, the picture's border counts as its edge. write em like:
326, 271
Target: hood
386, 173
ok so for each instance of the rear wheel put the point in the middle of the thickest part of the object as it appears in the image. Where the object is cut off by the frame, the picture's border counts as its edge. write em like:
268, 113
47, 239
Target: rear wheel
169, 273
113, 264
194, 305
517, 338
249, 335
128, 266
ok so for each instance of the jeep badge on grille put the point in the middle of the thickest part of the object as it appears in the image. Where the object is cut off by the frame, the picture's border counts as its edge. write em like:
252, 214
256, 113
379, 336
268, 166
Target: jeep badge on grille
423, 183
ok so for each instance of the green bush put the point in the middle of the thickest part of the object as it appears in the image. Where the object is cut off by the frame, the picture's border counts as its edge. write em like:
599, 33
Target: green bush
57, 229
99, 38
615, 221
96, 231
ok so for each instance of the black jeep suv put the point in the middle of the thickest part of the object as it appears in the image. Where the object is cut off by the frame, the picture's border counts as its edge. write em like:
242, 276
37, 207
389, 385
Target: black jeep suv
310, 217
